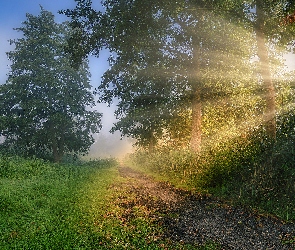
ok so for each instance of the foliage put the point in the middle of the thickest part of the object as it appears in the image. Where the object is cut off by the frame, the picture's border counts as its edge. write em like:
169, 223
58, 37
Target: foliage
268, 183
45, 104
164, 61
158, 60
250, 169
204, 171
289, 19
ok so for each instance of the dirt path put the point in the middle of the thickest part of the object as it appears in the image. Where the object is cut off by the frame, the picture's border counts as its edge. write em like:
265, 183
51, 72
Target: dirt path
198, 219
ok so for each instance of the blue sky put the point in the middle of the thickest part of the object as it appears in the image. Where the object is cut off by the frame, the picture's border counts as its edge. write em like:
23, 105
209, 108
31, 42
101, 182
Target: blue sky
13, 13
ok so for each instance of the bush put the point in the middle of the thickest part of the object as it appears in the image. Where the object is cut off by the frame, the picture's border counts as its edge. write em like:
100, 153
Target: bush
250, 169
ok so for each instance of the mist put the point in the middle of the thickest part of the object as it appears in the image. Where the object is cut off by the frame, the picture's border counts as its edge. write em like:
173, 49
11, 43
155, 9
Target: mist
110, 145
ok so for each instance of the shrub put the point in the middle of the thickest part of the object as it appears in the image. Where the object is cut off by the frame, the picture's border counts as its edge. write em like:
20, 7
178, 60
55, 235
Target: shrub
251, 169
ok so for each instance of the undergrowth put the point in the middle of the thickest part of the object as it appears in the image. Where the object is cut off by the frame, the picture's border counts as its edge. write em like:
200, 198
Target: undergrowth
251, 170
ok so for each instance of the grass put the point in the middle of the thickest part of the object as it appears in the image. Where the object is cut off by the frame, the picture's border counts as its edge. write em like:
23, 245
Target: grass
133, 226
73, 206
244, 172
43, 205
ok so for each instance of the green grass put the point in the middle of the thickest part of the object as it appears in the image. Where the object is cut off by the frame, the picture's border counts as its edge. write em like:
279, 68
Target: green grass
72, 206
44, 205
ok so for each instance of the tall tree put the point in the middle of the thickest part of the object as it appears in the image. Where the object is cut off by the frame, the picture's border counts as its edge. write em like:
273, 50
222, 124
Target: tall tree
138, 81
187, 48
46, 104
161, 53
269, 15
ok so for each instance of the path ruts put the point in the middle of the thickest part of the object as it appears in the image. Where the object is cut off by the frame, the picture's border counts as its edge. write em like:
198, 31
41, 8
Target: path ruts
198, 218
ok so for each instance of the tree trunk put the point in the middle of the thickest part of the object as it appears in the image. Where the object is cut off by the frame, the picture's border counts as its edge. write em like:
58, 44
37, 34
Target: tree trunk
151, 143
56, 157
57, 154
269, 90
57, 145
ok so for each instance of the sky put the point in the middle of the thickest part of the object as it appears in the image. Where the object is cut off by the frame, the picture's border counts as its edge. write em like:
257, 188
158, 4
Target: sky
12, 14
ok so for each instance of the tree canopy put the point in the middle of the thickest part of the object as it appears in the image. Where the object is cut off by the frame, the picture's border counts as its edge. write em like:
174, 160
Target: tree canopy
46, 104
188, 57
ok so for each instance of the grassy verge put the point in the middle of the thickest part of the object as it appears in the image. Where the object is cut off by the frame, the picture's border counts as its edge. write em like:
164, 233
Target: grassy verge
245, 172
50, 206
42, 205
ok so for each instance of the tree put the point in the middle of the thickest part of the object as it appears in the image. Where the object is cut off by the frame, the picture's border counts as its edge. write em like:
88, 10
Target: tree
142, 96
268, 32
159, 57
265, 71
46, 104
194, 51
